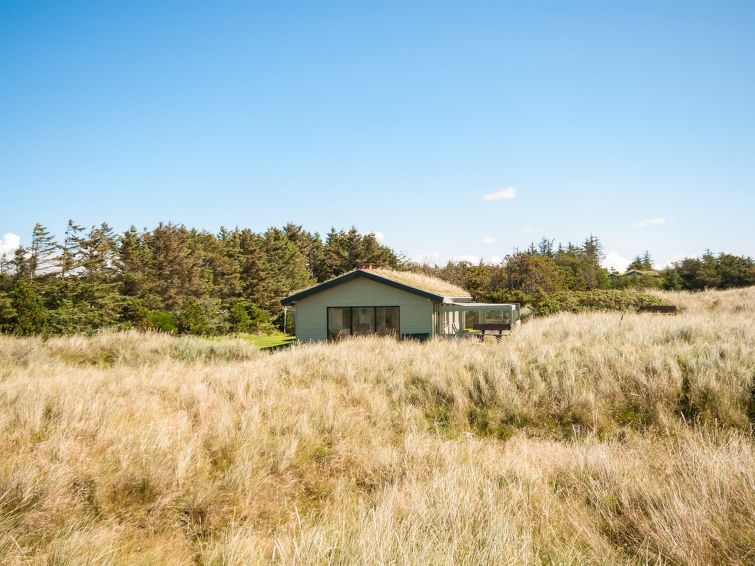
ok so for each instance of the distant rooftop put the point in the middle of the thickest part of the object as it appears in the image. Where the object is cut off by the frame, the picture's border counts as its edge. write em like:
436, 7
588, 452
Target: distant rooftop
642, 272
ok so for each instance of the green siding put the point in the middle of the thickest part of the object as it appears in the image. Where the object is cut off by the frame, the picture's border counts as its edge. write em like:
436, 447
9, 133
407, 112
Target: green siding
311, 313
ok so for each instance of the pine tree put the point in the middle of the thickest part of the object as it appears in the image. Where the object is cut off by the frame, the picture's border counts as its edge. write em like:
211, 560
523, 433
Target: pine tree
593, 249
255, 273
21, 264
220, 261
288, 268
98, 285
30, 313
311, 246
41, 251
647, 261
174, 269
545, 247
69, 258
637, 264
344, 251
134, 262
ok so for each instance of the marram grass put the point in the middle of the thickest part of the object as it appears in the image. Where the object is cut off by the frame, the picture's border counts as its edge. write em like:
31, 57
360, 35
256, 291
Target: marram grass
582, 439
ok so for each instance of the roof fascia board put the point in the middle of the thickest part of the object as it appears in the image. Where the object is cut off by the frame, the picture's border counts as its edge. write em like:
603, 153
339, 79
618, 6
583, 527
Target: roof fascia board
291, 299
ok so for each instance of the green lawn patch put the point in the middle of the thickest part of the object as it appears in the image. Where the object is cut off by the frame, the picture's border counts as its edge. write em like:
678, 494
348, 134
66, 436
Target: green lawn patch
271, 341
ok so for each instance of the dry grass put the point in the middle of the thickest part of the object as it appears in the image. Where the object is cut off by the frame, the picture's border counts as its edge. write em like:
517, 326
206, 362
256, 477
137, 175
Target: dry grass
582, 439
422, 281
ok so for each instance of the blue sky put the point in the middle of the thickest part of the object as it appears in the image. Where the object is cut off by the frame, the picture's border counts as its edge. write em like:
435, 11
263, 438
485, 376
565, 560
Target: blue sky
631, 120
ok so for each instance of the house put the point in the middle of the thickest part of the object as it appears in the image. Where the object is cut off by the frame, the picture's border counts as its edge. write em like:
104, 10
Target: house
387, 302
636, 273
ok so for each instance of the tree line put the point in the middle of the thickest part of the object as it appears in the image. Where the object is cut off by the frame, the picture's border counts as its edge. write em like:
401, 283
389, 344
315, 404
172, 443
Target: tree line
171, 278
551, 277
177, 279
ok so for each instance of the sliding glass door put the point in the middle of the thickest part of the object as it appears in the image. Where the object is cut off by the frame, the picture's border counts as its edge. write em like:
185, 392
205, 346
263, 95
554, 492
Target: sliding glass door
362, 321
386, 320
339, 323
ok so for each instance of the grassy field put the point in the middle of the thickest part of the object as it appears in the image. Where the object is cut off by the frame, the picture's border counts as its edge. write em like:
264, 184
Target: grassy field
590, 438
269, 341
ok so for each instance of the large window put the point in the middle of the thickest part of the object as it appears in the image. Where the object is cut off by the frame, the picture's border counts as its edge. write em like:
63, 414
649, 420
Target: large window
361, 321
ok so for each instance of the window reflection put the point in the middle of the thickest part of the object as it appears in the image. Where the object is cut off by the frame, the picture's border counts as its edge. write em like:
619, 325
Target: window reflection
362, 321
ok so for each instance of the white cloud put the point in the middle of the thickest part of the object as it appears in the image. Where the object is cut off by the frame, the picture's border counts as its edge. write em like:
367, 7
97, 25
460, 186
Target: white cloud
379, 236
469, 258
508, 193
488, 240
657, 221
431, 258
434, 258
616, 262
671, 261
9, 243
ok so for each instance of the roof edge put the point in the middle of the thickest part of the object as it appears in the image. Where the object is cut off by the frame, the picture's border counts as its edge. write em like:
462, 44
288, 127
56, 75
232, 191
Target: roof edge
291, 299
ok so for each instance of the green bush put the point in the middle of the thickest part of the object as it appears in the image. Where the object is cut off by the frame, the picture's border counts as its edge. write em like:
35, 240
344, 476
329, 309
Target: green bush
161, 321
245, 316
31, 316
196, 317
602, 300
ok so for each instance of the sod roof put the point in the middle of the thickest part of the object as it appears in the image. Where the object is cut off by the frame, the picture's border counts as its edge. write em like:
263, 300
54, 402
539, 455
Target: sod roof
425, 285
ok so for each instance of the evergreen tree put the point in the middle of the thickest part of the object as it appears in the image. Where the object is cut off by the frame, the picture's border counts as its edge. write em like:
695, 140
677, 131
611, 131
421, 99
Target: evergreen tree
31, 316
69, 258
593, 249
647, 261
672, 281
545, 247
22, 267
41, 251
98, 285
174, 269
255, 274
134, 263
344, 251
288, 268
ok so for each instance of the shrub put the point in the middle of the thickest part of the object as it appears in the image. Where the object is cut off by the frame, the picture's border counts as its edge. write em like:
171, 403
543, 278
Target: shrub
161, 321
600, 300
198, 317
245, 316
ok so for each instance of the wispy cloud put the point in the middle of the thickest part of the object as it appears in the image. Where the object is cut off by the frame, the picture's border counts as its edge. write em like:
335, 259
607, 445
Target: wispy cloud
379, 236
657, 221
470, 258
432, 258
488, 240
9, 243
671, 261
615, 261
508, 193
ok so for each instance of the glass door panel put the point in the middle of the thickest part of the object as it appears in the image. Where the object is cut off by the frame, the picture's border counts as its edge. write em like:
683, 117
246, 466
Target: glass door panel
387, 320
362, 320
339, 322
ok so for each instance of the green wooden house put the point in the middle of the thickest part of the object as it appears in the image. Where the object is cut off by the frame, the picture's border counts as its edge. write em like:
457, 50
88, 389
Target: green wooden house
387, 302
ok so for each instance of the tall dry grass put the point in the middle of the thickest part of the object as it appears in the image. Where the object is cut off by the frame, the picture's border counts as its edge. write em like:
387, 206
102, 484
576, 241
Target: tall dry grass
590, 438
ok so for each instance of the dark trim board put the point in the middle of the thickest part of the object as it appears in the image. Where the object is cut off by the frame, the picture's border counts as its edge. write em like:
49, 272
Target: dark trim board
291, 299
